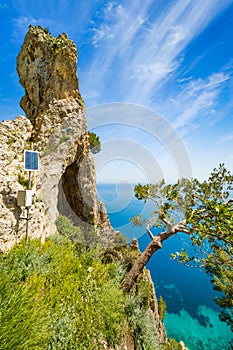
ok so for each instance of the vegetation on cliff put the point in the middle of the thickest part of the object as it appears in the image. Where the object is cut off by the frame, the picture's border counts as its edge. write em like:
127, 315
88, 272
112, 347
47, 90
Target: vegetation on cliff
63, 294
95, 144
204, 212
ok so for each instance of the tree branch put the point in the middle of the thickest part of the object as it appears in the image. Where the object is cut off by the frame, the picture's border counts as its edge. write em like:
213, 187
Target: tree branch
149, 231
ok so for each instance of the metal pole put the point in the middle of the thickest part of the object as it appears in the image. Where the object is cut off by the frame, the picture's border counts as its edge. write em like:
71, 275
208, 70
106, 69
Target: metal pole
28, 208
27, 224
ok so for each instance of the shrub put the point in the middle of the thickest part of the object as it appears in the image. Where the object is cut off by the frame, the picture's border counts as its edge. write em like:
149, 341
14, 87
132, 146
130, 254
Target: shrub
52, 297
162, 307
172, 344
95, 144
66, 228
24, 181
141, 324
10, 140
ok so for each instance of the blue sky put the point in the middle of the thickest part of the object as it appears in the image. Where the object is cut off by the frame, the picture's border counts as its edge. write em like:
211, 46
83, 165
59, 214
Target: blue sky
173, 57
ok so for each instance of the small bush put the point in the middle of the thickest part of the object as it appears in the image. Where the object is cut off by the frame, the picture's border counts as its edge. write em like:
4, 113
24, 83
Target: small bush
52, 297
46, 30
95, 144
172, 344
10, 141
22, 180
162, 307
66, 228
141, 324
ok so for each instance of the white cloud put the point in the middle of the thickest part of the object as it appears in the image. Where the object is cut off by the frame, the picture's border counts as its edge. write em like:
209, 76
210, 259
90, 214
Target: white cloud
109, 19
154, 72
102, 33
196, 103
225, 138
173, 30
112, 10
148, 48
22, 23
198, 97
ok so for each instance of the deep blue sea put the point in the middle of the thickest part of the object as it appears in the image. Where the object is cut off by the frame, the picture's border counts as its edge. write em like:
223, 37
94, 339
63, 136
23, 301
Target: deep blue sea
192, 315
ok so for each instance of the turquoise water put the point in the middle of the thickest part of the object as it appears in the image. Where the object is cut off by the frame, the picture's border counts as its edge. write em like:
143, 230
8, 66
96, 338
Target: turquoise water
192, 315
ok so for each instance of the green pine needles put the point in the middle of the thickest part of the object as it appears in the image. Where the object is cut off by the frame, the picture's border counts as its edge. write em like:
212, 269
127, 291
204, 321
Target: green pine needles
95, 144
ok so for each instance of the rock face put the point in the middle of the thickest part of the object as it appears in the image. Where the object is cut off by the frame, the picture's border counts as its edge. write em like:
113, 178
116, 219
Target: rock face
56, 127
47, 70
14, 137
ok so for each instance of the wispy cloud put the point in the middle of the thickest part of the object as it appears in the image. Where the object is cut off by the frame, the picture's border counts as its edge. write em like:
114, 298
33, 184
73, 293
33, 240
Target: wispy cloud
22, 23
141, 48
162, 48
198, 97
117, 23
225, 138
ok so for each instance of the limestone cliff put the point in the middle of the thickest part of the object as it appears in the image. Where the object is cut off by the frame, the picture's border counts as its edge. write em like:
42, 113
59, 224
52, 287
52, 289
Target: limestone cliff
14, 137
56, 127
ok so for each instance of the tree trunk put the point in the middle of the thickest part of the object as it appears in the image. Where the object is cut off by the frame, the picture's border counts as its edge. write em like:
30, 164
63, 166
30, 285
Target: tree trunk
140, 263
143, 259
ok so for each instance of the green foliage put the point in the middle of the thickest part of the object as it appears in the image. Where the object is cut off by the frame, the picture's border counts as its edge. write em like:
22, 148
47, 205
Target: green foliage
170, 201
10, 140
95, 144
58, 45
46, 30
120, 240
162, 307
52, 297
204, 210
22, 313
172, 344
141, 323
22, 180
210, 219
66, 228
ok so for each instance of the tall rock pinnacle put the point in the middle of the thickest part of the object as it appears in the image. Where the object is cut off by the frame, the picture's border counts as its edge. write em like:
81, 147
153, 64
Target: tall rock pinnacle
52, 102
47, 70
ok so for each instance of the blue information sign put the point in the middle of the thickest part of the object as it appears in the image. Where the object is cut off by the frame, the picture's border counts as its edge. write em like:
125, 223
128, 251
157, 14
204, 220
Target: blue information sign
31, 160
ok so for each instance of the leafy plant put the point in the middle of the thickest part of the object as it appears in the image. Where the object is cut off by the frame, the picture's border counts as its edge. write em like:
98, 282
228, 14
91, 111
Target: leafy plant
46, 30
10, 140
171, 344
202, 210
22, 180
141, 324
57, 45
66, 228
73, 299
95, 144
162, 307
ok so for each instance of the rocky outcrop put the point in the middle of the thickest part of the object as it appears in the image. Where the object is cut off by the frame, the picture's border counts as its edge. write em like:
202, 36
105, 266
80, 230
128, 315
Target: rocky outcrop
47, 70
14, 136
56, 127
52, 102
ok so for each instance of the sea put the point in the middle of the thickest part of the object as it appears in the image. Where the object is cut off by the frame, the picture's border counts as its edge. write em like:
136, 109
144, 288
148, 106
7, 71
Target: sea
192, 314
